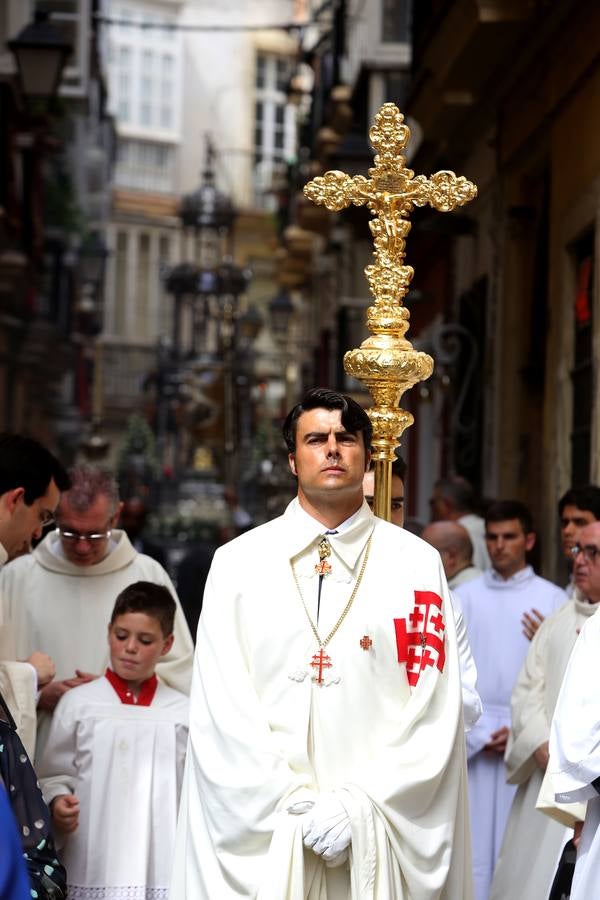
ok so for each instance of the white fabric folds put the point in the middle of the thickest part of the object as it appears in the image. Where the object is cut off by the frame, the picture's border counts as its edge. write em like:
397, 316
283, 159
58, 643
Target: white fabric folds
264, 736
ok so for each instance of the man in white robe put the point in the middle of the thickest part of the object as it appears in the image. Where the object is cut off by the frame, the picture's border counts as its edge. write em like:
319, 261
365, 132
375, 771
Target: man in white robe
326, 755
31, 479
493, 606
533, 844
453, 543
453, 500
574, 766
59, 598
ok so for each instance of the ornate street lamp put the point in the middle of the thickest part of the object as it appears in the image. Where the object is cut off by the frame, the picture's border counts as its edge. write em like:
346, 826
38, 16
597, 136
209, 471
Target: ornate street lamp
281, 310
92, 259
41, 54
207, 208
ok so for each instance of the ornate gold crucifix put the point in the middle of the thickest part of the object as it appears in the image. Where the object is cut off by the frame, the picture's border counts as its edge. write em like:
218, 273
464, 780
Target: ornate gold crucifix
386, 362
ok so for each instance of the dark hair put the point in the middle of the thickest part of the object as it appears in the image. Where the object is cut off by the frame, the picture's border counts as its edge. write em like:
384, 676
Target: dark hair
502, 510
458, 492
152, 599
354, 418
26, 463
586, 498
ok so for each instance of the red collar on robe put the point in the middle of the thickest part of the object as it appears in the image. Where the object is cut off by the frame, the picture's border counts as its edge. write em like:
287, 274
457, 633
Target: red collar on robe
126, 695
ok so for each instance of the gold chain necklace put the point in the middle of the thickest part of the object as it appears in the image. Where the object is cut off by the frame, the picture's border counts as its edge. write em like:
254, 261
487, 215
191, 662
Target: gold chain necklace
322, 660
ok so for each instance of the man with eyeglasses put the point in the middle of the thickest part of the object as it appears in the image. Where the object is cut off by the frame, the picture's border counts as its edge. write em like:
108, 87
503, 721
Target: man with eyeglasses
60, 597
574, 766
493, 606
532, 705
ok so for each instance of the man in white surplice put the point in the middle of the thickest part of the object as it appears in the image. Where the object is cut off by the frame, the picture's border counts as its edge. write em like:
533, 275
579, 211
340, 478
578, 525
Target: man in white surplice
59, 598
533, 843
574, 766
493, 606
326, 755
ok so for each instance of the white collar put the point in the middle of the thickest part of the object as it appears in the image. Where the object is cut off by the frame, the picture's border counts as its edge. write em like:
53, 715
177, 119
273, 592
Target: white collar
303, 530
3, 555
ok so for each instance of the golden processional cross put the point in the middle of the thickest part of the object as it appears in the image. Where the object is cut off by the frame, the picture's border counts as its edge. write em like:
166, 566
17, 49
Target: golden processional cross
386, 361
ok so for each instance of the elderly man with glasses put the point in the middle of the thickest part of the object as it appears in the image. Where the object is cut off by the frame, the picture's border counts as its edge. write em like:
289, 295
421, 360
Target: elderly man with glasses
59, 598
529, 835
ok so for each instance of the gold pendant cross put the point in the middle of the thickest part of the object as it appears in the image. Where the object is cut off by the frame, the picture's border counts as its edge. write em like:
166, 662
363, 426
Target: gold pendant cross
319, 662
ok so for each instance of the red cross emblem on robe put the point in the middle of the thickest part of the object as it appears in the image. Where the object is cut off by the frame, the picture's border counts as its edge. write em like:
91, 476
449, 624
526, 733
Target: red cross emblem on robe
420, 638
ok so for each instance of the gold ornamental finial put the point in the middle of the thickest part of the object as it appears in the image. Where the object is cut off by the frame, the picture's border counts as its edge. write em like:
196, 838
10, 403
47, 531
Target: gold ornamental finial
386, 362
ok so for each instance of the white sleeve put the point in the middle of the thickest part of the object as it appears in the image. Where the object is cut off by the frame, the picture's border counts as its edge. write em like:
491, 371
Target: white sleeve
472, 707
57, 770
575, 732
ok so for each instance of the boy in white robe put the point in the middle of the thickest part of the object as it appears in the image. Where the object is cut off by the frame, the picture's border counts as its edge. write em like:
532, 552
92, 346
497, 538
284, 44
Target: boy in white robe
493, 607
112, 768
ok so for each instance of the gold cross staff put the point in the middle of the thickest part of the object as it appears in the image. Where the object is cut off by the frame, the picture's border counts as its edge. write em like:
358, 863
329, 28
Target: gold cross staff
386, 361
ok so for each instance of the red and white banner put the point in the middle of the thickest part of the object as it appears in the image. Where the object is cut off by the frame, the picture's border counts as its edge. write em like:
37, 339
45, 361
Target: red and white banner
420, 639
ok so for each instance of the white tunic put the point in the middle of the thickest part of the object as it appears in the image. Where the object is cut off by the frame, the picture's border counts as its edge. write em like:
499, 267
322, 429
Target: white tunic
125, 764
575, 752
263, 735
492, 609
52, 605
533, 842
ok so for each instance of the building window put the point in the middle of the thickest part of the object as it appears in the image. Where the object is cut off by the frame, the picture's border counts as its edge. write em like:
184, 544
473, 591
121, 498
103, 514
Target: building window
145, 166
144, 77
274, 123
395, 21
583, 368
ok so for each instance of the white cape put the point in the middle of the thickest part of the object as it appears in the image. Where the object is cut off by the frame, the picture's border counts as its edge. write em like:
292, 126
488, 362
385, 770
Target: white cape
533, 842
263, 735
125, 764
575, 752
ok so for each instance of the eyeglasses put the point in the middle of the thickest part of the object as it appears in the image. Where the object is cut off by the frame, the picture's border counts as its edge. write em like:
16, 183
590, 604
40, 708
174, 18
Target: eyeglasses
92, 538
46, 518
590, 552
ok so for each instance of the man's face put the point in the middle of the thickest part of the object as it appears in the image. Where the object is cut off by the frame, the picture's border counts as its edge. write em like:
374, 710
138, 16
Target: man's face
586, 568
397, 496
27, 522
136, 644
572, 520
507, 546
90, 530
329, 461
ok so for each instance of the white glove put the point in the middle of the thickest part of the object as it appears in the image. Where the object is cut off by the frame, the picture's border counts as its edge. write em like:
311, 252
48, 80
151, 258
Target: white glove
326, 829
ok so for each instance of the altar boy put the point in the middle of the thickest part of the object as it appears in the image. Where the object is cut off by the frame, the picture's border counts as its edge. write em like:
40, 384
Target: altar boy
112, 767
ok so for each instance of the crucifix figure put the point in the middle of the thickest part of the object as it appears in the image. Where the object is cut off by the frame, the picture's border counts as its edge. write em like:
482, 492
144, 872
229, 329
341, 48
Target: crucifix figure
319, 662
386, 362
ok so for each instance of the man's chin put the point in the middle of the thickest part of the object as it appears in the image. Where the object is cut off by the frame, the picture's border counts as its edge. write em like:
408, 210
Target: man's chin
81, 561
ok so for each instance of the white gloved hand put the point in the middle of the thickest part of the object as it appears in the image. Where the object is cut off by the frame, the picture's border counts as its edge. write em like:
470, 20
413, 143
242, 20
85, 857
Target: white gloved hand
326, 829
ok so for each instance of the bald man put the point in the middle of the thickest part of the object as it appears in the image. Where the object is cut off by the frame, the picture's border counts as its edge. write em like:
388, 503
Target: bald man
453, 543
